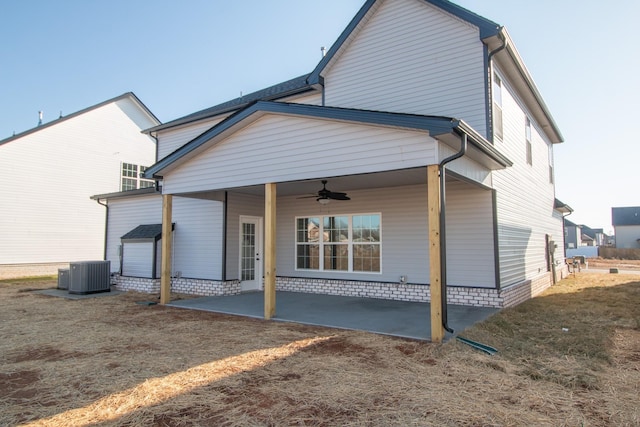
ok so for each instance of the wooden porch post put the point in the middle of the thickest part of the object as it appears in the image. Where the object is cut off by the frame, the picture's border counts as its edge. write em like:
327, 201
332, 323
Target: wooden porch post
436, 287
167, 237
269, 250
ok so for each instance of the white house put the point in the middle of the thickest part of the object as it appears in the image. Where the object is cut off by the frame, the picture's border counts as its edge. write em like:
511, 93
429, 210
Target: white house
626, 223
410, 88
50, 172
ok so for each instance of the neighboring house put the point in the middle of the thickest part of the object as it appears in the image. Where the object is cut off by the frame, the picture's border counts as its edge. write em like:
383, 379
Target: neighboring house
595, 235
48, 174
408, 84
581, 235
626, 225
572, 234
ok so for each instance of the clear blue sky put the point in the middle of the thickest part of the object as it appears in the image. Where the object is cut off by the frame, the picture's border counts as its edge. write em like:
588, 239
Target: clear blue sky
180, 57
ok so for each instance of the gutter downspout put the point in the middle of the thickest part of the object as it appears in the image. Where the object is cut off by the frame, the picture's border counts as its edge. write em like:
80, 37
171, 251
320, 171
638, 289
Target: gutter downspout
106, 226
443, 240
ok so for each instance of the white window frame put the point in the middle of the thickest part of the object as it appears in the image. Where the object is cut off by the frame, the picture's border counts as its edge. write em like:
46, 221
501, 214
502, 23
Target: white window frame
527, 136
137, 171
498, 131
321, 243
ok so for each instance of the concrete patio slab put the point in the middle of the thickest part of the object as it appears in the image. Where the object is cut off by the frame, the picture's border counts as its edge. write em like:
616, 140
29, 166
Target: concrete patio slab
397, 318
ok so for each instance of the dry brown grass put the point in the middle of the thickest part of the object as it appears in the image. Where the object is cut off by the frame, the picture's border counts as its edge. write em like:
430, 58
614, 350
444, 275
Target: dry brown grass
111, 362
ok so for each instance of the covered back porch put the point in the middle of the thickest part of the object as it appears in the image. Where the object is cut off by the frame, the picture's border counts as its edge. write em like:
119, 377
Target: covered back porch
275, 154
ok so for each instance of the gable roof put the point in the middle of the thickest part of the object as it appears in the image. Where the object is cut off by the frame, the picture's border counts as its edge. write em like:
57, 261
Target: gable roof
625, 216
491, 34
486, 27
290, 87
129, 95
435, 125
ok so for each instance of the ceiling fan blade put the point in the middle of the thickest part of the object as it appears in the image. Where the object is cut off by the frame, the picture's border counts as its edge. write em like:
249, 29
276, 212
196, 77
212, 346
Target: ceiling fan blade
307, 197
338, 196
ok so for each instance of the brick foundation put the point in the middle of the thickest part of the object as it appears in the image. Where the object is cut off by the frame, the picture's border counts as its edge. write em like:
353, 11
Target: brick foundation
477, 297
178, 285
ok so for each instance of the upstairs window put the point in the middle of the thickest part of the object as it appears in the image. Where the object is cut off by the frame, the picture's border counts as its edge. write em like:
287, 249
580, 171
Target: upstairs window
551, 180
497, 106
130, 177
349, 243
527, 133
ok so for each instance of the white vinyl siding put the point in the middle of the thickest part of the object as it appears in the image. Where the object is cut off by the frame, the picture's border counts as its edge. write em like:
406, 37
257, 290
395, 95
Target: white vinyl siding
48, 177
627, 236
197, 238
525, 199
138, 259
170, 140
282, 148
405, 247
412, 57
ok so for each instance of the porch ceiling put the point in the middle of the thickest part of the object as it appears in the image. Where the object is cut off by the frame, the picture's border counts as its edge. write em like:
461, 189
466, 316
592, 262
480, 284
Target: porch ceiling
348, 183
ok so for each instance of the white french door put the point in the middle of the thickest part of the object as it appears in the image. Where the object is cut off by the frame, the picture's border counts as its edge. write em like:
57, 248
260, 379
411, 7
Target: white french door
250, 253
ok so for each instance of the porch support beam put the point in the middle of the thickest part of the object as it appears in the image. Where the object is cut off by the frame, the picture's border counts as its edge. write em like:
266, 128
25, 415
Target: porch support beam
167, 243
436, 286
269, 250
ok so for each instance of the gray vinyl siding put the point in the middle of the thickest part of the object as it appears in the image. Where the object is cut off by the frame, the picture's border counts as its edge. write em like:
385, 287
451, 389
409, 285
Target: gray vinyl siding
239, 205
525, 197
138, 259
313, 99
171, 139
197, 238
49, 175
124, 216
414, 58
282, 148
405, 246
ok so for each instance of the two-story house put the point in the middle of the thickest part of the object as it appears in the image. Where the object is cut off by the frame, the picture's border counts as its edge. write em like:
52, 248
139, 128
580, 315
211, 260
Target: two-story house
421, 112
49, 172
626, 223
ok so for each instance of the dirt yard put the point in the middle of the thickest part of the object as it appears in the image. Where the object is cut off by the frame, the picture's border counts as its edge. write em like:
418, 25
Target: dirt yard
622, 264
570, 357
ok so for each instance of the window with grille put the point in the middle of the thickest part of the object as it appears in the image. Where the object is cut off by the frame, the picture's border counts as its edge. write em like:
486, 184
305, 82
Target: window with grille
131, 177
497, 106
349, 243
527, 132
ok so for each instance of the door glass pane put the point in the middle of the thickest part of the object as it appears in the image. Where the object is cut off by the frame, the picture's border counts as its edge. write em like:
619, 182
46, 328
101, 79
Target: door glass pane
248, 250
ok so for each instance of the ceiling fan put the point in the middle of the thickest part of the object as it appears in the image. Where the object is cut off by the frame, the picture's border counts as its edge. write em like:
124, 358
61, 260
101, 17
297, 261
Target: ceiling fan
325, 195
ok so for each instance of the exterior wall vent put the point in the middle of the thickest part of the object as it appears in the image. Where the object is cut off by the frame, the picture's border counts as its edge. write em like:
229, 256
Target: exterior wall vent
89, 276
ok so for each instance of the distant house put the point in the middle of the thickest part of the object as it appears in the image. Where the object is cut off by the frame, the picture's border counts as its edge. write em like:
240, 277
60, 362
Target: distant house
626, 225
48, 174
572, 234
582, 235
411, 89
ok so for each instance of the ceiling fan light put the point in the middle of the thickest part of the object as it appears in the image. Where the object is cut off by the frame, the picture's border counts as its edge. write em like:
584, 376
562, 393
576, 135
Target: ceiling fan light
323, 200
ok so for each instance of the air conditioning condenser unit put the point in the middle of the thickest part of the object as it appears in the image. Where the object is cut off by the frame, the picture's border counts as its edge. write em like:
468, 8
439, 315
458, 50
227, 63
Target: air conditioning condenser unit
87, 277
